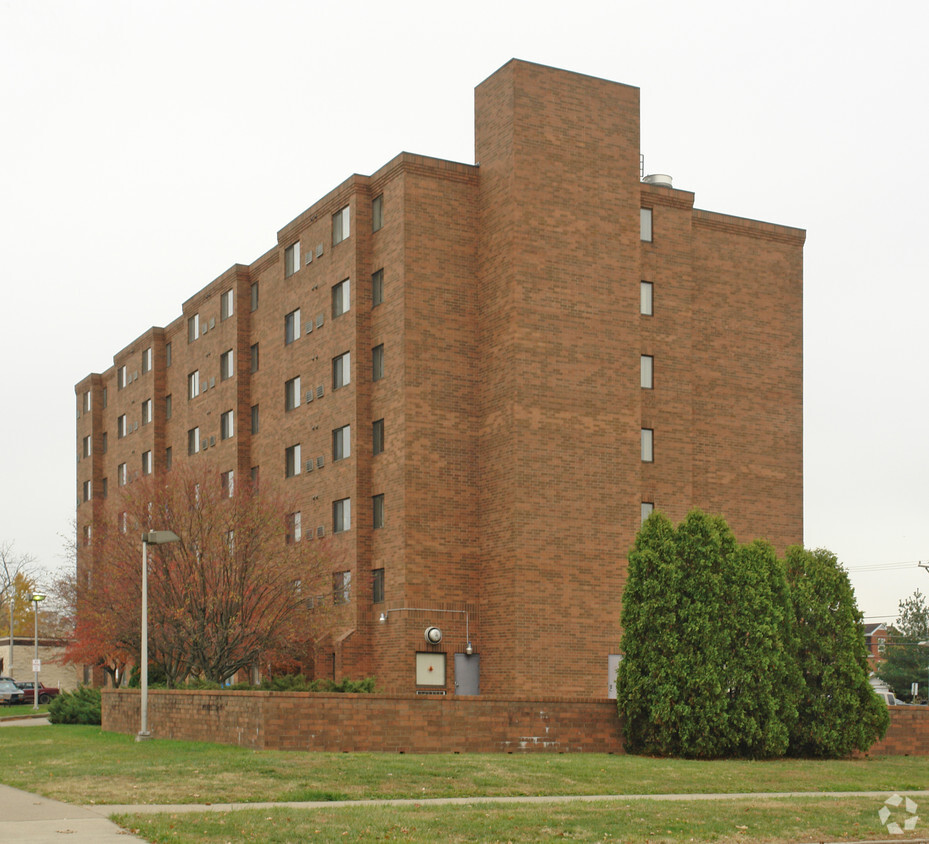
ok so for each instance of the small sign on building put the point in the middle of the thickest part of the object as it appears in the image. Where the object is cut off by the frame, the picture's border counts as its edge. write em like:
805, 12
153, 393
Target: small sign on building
36, 666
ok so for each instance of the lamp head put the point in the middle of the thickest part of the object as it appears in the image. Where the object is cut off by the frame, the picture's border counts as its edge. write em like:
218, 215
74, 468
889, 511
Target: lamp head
37, 596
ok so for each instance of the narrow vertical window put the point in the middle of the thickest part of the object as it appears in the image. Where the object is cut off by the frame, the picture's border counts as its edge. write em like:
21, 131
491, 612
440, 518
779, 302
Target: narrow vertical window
122, 475
377, 508
121, 378
291, 394
377, 362
147, 360
146, 462
342, 443
193, 384
648, 445
168, 354
377, 435
291, 326
292, 461
340, 298
377, 288
341, 370
340, 225
122, 427
646, 298
341, 515
146, 411
87, 490
291, 259
169, 406
647, 508
226, 425
193, 328
254, 353
226, 365
87, 401
193, 441
645, 224
647, 371
169, 458
227, 483
254, 418
377, 212
226, 305
377, 586
254, 296
86, 447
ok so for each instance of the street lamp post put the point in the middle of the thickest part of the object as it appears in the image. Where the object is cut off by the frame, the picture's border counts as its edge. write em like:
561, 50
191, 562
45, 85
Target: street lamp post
153, 537
35, 657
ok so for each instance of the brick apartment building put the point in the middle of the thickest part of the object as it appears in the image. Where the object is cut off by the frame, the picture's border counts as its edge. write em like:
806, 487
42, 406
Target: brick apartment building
475, 380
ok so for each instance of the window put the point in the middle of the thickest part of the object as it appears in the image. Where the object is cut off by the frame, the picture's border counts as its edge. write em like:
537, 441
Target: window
121, 475
104, 483
377, 212
87, 490
377, 435
292, 461
120, 377
648, 445
340, 298
87, 534
254, 418
255, 470
291, 259
377, 586
104, 443
227, 483
341, 515
193, 384
146, 411
292, 393
146, 462
226, 425
169, 406
647, 508
340, 226
226, 305
85, 447
193, 328
341, 587
341, 370
121, 427
104, 397
123, 522
87, 401
168, 355
342, 442
646, 298
377, 363
377, 508
226, 365
254, 351
291, 326
645, 224
147, 360
294, 527
377, 288
647, 371
193, 441
169, 458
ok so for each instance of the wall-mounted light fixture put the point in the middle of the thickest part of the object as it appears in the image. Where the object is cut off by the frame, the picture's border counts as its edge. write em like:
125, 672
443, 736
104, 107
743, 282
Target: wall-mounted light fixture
434, 630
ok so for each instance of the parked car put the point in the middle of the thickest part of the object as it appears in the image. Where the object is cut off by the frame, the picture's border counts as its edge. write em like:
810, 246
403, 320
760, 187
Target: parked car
10, 692
46, 693
890, 699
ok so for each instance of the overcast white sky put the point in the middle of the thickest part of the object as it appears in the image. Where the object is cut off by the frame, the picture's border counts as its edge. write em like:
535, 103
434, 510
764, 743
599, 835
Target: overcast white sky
146, 147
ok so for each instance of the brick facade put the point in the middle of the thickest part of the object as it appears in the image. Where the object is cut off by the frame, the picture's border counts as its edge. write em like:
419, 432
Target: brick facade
512, 337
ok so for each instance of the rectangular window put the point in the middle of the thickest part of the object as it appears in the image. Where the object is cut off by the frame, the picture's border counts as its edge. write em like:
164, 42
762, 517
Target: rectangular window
340, 298
121, 427
341, 587
377, 288
341, 515
377, 509
645, 224
340, 226
168, 355
226, 365
291, 394
377, 363
87, 490
342, 442
85, 447
377, 213
146, 411
226, 305
87, 534
291, 259
104, 397
169, 458
169, 406
193, 441
647, 508
292, 461
121, 378
254, 353
227, 483
87, 401
254, 297
291, 326
103, 443
146, 462
121, 474
294, 527
648, 445
377, 586
226, 425
104, 484
341, 370
647, 371
193, 328
646, 298
256, 471
147, 360
254, 418
377, 435
193, 384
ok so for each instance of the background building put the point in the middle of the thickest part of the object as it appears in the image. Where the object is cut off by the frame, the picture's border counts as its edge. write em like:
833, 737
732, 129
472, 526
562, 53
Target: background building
474, 381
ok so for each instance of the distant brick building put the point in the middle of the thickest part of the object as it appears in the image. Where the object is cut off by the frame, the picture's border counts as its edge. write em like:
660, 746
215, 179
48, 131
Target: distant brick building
475, 380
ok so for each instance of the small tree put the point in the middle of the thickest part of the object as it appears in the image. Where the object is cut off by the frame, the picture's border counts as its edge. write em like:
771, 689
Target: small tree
906, 660
838, 710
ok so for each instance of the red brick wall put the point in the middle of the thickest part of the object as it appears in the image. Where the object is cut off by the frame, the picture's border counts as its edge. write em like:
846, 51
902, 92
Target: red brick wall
908, 734
337, 722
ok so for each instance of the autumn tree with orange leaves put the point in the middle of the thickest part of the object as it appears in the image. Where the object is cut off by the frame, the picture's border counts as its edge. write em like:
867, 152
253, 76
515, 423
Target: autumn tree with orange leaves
232, 593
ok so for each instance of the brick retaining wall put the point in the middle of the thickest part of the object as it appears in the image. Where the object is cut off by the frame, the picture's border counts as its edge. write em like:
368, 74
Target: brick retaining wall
411, 724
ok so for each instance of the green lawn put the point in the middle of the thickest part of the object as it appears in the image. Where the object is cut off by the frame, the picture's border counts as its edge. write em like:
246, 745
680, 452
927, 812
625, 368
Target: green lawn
21, 709
86, 765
